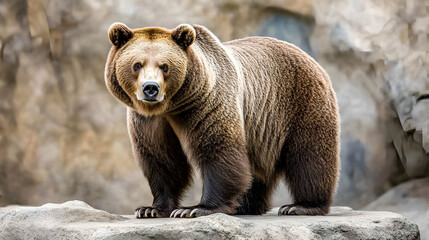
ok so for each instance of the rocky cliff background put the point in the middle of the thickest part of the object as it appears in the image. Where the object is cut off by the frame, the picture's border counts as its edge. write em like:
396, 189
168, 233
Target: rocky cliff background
63, 137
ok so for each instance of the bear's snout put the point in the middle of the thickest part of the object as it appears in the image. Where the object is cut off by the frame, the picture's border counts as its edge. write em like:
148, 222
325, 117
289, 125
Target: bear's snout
150, 90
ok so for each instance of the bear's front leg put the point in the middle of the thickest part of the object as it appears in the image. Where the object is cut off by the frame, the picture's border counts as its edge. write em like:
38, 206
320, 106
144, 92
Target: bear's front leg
220, 152
162, 160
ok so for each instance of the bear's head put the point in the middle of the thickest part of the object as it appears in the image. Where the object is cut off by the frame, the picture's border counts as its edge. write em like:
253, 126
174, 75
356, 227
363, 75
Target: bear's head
146, 67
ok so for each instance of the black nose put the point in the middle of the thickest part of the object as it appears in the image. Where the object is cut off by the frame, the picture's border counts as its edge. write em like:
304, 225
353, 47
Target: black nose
150, 90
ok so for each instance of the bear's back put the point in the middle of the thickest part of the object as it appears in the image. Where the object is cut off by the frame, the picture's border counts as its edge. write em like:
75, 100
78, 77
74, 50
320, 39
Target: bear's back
279, 80
270, 68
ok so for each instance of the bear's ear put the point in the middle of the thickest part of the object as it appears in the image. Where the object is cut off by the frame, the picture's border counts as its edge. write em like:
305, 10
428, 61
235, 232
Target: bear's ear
119, 34
183, 35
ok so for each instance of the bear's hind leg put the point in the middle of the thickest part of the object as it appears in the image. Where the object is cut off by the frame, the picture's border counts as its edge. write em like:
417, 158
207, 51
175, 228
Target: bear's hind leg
222, 187
256, 200
311, 167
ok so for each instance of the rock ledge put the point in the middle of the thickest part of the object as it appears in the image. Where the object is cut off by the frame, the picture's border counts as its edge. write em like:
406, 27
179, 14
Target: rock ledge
78, 220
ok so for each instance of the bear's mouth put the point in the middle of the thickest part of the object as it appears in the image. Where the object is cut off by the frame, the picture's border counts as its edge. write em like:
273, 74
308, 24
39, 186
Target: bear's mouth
150, 107
153, 100
150, 100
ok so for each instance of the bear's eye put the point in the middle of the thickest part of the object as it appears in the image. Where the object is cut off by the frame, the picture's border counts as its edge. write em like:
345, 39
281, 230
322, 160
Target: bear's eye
164, 68
137, 66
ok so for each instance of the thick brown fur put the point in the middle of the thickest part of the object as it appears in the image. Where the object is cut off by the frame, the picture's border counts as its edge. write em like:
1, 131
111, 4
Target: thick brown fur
245, 113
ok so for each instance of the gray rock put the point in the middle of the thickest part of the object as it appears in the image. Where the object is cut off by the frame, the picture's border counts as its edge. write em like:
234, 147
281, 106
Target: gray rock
78, 220
376, 56
288, 28
410, 199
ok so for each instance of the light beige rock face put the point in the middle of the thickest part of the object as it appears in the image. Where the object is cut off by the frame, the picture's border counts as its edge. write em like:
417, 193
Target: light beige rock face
63, 136
410, 199
376, 55
77, 220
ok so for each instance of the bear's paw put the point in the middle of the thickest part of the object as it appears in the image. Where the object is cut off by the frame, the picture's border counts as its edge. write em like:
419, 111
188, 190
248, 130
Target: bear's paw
150, 212
295, 209
191, 212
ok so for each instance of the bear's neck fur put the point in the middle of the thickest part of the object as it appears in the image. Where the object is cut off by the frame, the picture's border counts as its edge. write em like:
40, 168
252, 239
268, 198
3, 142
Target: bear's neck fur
200, 87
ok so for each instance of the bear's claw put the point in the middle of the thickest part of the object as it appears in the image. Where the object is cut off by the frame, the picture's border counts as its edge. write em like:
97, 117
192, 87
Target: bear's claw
284, 210
295, 209
146, 212
190, 212
183, 213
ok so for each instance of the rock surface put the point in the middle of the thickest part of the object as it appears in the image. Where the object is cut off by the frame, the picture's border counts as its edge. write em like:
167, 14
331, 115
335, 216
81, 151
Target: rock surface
78, 220
410, 199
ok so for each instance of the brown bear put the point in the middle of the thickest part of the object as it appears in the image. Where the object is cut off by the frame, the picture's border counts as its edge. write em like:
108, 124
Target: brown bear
245, 113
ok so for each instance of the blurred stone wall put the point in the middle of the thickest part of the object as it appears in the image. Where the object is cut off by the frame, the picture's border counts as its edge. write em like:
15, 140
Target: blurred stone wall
377, 55
62, 136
